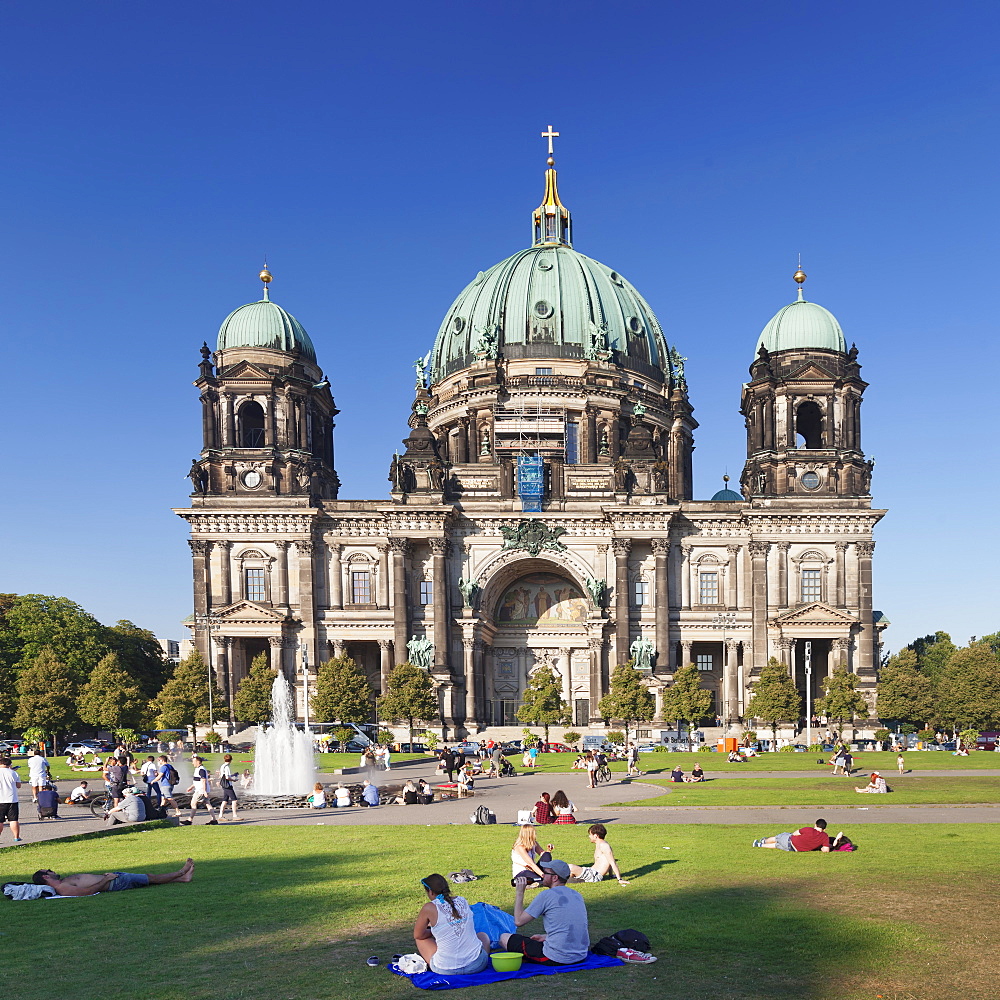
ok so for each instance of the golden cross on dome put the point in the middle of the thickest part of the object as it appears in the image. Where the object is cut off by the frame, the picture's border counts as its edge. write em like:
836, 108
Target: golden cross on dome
550, 135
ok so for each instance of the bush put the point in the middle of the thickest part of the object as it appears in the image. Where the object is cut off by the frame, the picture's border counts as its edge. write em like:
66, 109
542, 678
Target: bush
616, 736
385, 737
786, 749
662, 748
706, 748
969, 738
431, 741
570, 738
815, 747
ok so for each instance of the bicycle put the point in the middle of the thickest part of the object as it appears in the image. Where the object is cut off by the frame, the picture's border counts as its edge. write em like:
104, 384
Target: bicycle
100, 805
602, 774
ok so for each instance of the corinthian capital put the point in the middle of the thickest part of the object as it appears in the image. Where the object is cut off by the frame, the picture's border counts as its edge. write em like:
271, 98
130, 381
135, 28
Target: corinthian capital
865, 549
400, 546
439, 546
305, 546
199, 546
661, 546
759, 548
622, 546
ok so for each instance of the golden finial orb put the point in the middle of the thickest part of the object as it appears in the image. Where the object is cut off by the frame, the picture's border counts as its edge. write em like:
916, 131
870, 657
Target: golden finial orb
265, 276
725, 479
799, 276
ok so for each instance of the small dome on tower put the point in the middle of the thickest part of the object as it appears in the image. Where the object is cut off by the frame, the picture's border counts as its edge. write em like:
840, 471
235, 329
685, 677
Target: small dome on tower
802, 325
726, 495
265, 324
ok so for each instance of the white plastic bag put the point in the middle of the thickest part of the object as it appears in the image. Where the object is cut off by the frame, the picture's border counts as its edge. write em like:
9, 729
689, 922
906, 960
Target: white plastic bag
524, 817
410, 965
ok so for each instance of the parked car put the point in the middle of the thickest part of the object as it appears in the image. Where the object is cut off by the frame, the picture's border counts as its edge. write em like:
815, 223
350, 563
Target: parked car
557, 748
80, 748
645, 747
410, 748
466, 747
512, 746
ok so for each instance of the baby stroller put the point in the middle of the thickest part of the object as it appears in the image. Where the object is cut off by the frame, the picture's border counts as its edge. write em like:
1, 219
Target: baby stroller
507, 769
48, 802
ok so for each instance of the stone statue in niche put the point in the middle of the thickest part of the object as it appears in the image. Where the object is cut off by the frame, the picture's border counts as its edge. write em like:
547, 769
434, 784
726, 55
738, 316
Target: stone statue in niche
661, 477
622, 471
468, 589
435, 476
420, 651
597, 589
642, 652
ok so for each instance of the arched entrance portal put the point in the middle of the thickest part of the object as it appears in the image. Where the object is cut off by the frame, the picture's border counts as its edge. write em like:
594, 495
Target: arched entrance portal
535, 612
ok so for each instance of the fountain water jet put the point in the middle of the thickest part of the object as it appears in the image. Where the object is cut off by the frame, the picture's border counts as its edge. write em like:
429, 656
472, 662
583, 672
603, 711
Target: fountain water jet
284, 763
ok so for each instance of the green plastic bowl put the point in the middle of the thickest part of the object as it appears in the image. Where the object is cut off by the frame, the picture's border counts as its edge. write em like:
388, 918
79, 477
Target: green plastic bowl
506, 961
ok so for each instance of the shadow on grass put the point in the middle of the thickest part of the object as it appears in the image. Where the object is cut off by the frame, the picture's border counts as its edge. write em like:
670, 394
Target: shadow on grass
653, 866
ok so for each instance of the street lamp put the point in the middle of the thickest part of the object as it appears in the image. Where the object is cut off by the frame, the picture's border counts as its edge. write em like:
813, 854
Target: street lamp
304, 646
726, 620
211, 623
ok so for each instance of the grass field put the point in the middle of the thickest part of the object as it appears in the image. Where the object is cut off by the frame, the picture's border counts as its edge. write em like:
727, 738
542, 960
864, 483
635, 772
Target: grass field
826, 790
292, 914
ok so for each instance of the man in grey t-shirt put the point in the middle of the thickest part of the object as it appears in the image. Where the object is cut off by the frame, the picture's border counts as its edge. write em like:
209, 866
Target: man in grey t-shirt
564, 916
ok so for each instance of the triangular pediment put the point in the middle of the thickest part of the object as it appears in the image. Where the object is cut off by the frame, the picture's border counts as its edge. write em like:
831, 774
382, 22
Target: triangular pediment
817, 613
248, 371
809, 370
247, 611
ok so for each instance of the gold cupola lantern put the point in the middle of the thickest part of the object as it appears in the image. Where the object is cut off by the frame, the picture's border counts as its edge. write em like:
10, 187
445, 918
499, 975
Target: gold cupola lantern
551, 221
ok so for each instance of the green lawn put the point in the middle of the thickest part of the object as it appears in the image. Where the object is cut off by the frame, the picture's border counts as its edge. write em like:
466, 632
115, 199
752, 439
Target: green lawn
292, 914
826, 790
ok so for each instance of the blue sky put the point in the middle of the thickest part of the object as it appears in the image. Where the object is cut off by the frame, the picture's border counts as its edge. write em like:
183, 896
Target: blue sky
380, 156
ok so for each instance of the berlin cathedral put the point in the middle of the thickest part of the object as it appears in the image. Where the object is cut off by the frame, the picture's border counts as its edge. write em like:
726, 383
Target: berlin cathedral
540, 509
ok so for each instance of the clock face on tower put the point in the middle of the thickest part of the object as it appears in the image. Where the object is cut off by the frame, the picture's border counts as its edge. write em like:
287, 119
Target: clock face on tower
252, 479
810, 480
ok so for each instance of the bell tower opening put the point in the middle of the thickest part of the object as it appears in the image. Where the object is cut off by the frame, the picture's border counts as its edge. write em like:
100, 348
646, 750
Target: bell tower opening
809, 425
251, 425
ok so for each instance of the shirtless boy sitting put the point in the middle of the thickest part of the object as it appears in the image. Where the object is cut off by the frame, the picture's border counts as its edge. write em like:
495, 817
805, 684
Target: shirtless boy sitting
604, 859
88, 885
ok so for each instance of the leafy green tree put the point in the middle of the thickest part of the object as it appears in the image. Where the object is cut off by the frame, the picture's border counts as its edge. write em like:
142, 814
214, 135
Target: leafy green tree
775, 698
47, 692
183, 700
841, 701
141, 656
968, 692
386, 736
933, 653
685, 700
628, 700
905, 692
111, 699
344, 736
571, 738
969, 738
253, 697
543, 704
881, 736
342, 692
409, 698
616, 737
127, 737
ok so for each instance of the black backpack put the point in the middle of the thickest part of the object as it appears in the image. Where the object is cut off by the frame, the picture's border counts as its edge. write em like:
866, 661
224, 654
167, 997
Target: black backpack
154, 810
172, 776
484, 817
621, 939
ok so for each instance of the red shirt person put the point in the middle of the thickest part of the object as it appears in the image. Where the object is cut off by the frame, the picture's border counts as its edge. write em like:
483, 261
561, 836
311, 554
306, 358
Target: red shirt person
808, 838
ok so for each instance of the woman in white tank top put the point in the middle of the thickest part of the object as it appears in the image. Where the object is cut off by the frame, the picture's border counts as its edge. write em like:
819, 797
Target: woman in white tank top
445, 934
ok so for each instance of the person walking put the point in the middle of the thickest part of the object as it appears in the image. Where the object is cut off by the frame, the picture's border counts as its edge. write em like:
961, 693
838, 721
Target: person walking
496, 754
228, 788
900, 764
166, 778
38, 773
200, 790
10, 782
591, 762
148, 771
633, 759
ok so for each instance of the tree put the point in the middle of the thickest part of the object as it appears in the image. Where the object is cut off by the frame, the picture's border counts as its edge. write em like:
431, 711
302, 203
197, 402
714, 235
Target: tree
571, 738
183, 700
543, 703
933, 653
409, 697
969, 738
905, 692
342, 692
968, 692
253, 697
841, 702
628, 700
685, 700
111, 699
775, 698
141, 656
46, 693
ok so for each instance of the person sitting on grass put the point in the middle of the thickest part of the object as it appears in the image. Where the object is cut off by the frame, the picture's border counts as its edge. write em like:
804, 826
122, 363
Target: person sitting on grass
526, 856
80, 795
563, 808
876, 785
369, 795
88, 885
564, 916
677, 774
604, 859
808, 838
697, 774
131, 809
318, 798
466, 783
445, 934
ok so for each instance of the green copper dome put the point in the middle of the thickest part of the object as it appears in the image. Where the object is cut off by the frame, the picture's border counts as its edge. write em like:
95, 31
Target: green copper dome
550, 302
265, 324
802, 325
727, 496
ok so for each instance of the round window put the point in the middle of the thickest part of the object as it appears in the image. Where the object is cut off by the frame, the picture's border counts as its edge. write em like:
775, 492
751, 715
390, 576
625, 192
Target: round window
252, 479
810, 480
615, 277
633, 324
544, 264
458, 324
543, 310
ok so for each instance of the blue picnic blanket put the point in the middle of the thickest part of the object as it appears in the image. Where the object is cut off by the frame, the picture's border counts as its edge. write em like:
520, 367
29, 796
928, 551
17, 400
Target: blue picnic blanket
492, 921
434, 981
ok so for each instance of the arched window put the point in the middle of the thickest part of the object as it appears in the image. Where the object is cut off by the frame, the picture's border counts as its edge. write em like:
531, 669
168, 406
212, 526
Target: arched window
809, 425
251, 425
254, 576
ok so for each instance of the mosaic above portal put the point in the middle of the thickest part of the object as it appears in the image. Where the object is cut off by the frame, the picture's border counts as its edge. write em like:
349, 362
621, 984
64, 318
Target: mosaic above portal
542, 599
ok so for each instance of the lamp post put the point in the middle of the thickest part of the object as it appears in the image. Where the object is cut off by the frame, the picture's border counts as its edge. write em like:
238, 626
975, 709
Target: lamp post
304, 646
809, 673
726, 620
210, 622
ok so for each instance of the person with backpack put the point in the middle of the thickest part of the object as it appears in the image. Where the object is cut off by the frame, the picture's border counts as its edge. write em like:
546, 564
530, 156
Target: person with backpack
200, 791
227, 785
167, 779
116, 777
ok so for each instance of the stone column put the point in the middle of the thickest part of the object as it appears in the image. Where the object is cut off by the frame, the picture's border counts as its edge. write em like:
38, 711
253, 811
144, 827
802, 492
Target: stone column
271, 421
840, 653
400, 607
222, 546
729, 683
462, 441
282, 597
339, 648
758, 575
469, 664
228, 421
785, 645
782, 548
307, 612
439, 551
866, 637
590, 436
685, 653
566, 655
732, 599
596, 676
686, 576
384, 663
277, 644
841, 596
224, 644
291, 433
382, 590
200, 556
622, 547
335, 595
661, 601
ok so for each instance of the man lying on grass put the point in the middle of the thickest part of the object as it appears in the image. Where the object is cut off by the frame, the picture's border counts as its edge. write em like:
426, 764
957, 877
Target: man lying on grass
809, 838
88, 885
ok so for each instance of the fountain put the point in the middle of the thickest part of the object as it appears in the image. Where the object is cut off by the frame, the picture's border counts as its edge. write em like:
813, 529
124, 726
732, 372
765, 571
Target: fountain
284, 763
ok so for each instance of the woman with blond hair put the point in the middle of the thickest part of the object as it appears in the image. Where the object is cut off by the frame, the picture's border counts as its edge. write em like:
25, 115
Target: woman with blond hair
526, 855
